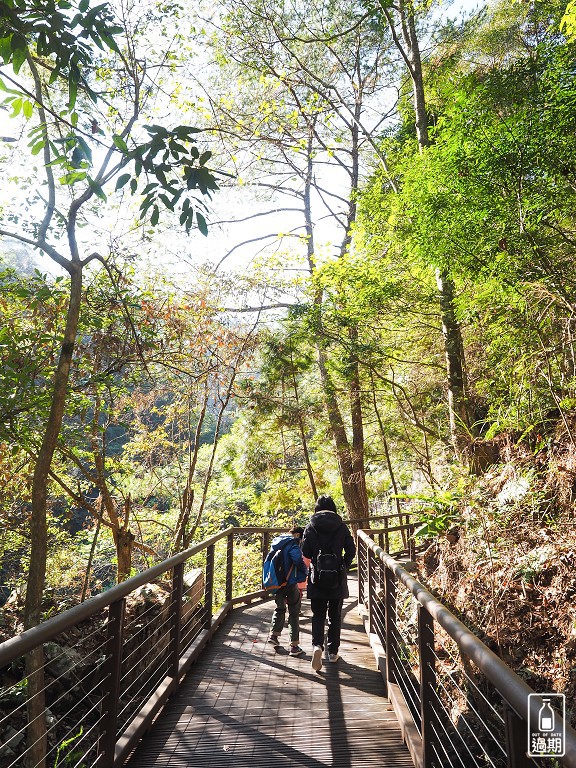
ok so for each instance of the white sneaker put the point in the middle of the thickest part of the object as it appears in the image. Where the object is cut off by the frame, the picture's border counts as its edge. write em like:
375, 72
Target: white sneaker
317, 658
333, 657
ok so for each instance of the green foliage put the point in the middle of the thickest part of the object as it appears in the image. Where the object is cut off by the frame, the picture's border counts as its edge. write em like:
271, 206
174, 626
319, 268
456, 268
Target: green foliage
27, 354
494, 195
437, 513
68, 37
62, 31
569, 20
491, 203
66, 754
171, 165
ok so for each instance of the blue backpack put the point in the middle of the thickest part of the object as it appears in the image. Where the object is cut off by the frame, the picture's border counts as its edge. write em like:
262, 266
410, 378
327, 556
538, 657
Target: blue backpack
274, 575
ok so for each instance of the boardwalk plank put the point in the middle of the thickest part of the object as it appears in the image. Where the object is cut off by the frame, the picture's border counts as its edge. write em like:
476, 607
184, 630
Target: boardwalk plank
246, 705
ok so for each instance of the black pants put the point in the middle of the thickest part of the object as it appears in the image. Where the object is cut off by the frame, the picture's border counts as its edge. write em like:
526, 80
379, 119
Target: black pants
319, 608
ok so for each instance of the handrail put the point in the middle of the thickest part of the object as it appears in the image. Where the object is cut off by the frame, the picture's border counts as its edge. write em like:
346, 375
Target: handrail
513, 690
23, 643
141, 663
388, 516
139, 652
30, 638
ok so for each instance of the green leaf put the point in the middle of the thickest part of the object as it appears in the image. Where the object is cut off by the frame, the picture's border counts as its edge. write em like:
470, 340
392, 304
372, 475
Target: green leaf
109, 40
122, 181
120, 143
71, 178
97, 189
16, 107
5, 50
72, 92
145, 204
155, 216
4, 87
18, 43
202, 226
176, 148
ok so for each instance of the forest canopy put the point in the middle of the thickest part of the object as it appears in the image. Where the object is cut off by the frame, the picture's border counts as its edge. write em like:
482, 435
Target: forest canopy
256, 253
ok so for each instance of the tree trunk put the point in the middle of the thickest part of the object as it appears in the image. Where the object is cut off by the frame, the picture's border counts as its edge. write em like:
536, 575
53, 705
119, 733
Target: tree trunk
86, 584
188, 495
350, 459
457, 401
358, 466
307, 461
124, 540
460, 422
303, 437
351, 473
38, 528
386, 450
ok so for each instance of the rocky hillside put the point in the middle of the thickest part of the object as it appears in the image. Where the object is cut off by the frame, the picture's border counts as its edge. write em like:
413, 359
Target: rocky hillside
508, 567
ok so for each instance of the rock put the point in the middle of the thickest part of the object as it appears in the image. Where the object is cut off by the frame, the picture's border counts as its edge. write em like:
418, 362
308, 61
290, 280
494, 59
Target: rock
12, 697
60, 660
513, 491
10, 741
453, 535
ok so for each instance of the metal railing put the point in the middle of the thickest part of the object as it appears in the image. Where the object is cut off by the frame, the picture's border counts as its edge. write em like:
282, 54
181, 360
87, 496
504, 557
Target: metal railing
111, 662
394, 532
457, 702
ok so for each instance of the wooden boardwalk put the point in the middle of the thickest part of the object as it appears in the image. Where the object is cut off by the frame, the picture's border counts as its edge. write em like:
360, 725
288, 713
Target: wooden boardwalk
246, 705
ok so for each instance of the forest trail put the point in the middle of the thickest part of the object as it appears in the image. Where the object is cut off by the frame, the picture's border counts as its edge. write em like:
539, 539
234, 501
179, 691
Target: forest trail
245, 705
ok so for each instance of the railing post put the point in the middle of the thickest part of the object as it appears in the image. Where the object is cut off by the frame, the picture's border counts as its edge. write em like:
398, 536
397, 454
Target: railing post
265, 544
209, 587
176, 617
386, 544
516, 739
371, 588
427, 684
390, 614
361, 548
402, 521
411, 541
229, 565
111, 678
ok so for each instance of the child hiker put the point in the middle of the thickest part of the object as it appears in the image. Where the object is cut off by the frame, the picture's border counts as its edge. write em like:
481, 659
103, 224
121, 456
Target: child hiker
289, 596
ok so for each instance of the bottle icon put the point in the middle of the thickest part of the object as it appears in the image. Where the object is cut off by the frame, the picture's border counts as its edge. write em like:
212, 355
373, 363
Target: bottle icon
546, 717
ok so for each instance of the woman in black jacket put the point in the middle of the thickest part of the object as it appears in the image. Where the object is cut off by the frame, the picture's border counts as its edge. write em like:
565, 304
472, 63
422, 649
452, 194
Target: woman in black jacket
329, 545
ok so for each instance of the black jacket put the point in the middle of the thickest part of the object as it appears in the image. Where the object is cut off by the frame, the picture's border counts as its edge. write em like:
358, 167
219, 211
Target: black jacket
326, 530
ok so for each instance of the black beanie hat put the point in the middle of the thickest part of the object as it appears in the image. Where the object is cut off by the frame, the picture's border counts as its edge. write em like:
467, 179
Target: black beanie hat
325, 503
